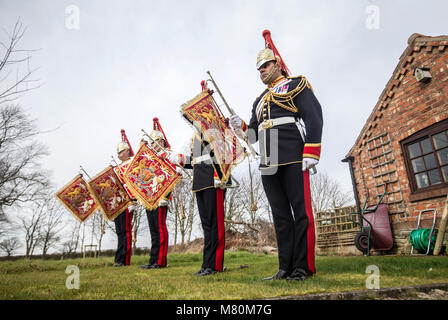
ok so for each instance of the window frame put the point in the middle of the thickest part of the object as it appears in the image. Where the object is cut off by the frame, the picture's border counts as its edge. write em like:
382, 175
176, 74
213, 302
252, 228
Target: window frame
431, 190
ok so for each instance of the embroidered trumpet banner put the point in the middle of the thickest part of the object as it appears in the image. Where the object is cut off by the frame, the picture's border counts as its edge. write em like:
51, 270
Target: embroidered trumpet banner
150, 178
120, 170
77, 198
208, 120
109, 193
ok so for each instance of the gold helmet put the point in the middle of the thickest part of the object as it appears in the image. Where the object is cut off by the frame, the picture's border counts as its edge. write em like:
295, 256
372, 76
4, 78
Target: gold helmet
270, 53
156, 135
122, 146
264, 56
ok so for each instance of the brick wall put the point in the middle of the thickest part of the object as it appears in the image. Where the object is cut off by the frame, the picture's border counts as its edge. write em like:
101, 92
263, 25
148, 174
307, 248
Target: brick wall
405, 107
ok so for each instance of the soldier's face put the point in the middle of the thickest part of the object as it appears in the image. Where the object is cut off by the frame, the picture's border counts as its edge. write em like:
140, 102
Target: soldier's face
156, 145
124, 155
266, 69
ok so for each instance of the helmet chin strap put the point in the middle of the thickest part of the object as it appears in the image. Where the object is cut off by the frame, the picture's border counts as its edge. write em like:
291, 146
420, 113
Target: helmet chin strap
268, 79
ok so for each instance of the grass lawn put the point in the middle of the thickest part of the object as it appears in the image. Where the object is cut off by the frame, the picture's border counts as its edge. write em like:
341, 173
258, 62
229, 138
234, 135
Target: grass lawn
46, 279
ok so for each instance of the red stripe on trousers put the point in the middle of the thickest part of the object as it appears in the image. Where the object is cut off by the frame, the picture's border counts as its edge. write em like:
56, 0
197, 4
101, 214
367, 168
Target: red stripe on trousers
128, 228
161, 237
221, 231
165, 229
309, 213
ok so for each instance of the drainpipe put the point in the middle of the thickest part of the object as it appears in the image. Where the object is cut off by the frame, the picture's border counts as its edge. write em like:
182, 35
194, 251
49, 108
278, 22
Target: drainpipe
352, 175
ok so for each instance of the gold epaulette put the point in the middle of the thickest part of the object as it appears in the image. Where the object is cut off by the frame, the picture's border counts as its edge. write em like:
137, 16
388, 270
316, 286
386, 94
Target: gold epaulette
296, 77
306, 80
285, 100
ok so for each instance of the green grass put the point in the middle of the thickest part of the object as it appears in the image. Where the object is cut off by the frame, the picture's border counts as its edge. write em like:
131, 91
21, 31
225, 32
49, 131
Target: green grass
46, 279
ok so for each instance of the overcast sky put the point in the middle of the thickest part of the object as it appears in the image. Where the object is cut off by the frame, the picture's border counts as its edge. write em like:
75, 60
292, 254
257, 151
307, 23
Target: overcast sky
111, 65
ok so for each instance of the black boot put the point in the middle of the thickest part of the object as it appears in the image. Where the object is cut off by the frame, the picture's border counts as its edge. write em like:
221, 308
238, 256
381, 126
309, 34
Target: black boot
198, 272
281, 274
299, 274
207, 272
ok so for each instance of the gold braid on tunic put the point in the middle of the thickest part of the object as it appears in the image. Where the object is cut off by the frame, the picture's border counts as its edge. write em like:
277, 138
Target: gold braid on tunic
285, 100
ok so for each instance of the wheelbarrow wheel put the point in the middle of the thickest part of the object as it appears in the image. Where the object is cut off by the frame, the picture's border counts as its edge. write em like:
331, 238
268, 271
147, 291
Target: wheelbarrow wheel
362, 242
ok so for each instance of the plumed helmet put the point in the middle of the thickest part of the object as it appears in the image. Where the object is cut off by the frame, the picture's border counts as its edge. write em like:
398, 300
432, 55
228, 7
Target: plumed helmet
270, 53
156, 135
158, 132
264, 56
122, 146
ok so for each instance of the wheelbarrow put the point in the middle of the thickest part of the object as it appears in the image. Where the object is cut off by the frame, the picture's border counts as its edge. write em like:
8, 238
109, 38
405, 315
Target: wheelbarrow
375, 231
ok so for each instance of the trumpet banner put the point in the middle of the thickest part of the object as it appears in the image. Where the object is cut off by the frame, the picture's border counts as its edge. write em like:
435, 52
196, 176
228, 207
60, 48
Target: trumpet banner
77, 198
207, 119
109, 193
150, 178
120, 171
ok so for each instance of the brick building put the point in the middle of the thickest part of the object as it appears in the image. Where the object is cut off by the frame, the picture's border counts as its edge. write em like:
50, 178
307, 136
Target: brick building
403, 146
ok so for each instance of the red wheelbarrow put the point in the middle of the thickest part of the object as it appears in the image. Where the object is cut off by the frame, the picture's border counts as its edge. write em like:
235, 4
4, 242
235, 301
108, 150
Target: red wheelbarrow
375, 231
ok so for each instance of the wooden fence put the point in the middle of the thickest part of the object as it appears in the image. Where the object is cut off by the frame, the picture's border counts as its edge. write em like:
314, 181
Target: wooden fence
335, 231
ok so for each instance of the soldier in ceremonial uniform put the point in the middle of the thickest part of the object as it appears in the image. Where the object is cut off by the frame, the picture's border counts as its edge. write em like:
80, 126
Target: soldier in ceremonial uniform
123, 222
157, 217
210, 194
288, 151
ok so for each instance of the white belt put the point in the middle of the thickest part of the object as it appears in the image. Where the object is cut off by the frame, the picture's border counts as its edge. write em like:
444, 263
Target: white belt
267, 124
200, 159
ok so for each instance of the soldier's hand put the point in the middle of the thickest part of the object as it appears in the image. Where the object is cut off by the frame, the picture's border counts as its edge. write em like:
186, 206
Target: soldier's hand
172, 157
308, 163
219, 184
235, 122
163, 203
179, 170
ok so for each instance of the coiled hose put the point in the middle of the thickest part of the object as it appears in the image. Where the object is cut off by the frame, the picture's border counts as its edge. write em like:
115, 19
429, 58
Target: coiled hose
419, 239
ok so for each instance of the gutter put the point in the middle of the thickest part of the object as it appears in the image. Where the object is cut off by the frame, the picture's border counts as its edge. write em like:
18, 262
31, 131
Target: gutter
352, 175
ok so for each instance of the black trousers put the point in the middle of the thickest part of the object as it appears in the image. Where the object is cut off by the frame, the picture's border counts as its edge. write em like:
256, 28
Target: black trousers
123, 227
159, 235
211, 211
288, 193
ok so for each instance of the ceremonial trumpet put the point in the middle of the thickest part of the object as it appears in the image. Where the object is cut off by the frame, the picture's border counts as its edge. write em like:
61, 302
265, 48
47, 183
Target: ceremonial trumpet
162, 148
240, 131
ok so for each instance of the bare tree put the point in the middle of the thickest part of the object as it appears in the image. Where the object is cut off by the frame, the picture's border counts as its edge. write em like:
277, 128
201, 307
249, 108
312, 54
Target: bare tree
21, 176
31, 225
183, 209
14, 58
245, 204
327, 194
10, 245
71, 245
96, 225
137, 223
51, 225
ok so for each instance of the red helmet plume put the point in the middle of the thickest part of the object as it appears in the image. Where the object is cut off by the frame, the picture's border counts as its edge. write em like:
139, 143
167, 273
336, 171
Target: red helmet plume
158, 127
270, 44
125, 139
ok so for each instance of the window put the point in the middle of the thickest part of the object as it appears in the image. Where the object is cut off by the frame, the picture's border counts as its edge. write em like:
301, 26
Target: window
426, 158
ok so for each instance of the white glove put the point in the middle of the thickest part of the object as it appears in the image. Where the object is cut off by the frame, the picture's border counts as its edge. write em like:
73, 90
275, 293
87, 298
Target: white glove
172, 157
179, 170
218, 184
131, 208
308, 163
235, 122
163, 203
